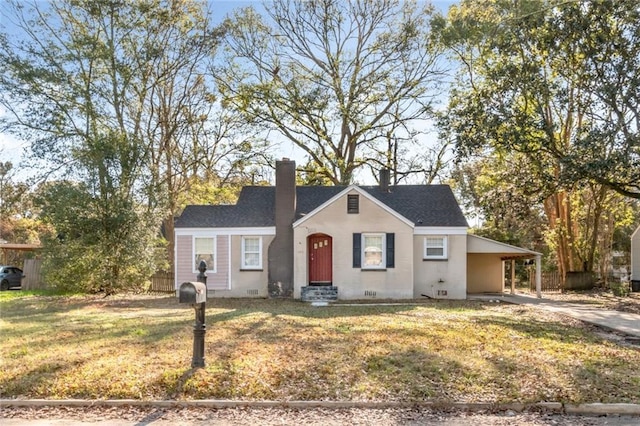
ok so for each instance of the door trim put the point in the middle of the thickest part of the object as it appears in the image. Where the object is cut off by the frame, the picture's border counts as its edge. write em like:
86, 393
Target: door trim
329, 262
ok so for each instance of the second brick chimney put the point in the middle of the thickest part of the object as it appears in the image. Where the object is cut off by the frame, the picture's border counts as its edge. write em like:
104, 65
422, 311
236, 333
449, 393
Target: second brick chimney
385, 179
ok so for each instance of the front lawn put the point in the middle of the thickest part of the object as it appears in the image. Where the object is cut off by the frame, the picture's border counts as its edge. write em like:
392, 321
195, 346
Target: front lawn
141, 346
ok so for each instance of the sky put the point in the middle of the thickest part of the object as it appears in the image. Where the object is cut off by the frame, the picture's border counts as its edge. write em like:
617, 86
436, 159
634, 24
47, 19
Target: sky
14, 150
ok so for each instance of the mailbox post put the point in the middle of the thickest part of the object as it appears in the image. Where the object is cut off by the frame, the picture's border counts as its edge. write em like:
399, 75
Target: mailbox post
195, 293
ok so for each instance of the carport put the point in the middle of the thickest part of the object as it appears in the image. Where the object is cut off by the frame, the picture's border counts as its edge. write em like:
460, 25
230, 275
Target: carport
486, 265
30, 267
7, 247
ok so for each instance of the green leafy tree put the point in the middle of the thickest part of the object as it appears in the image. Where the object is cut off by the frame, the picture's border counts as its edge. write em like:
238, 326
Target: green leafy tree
7, 197
557, 81
604, 36
127, 83
526, 87
503, 196
105, 239
333, 77
18, 218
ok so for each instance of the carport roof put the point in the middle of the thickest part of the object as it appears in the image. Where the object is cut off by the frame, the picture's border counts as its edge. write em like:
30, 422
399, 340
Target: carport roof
477, 244
7, 247
20, 247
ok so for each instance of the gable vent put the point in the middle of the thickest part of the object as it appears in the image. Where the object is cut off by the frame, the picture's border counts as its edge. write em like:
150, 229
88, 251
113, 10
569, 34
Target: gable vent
353, 204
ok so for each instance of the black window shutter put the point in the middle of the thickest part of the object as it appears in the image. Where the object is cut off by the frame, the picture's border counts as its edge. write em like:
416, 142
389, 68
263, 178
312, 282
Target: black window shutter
391, 260
357, 250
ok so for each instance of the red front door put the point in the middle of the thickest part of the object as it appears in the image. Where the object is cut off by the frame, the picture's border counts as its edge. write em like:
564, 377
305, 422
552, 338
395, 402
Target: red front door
320, 259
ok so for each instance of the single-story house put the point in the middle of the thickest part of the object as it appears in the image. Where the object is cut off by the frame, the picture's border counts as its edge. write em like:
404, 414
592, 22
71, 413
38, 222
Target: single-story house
351, 242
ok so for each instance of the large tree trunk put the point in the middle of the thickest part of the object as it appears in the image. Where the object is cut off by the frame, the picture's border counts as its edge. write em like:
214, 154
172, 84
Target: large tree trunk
168, 226
559, 217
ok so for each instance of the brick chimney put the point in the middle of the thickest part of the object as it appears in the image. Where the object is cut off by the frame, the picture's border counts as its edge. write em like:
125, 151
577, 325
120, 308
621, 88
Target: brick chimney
280, 255
385, 179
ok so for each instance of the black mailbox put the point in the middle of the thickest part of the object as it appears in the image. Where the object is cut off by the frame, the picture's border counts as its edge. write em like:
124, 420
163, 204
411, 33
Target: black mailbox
196, 295
191, 292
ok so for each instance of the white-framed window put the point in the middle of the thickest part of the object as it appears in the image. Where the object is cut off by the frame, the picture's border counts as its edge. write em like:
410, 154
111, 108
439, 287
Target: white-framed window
204, 248
373, 251
435, 247
251, 253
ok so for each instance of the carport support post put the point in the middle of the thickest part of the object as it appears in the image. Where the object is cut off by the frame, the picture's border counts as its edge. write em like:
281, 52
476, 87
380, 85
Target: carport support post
199, 328
513, 276
539, 276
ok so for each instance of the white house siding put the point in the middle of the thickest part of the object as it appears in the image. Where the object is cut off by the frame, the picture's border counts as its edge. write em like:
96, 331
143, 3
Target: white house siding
441, 279
635, 255
355, 283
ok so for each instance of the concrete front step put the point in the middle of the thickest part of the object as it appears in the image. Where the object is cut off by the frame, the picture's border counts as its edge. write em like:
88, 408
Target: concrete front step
319, 293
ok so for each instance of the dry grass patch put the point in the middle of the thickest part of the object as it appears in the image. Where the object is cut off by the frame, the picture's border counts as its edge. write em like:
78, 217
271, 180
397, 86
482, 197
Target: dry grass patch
140, 347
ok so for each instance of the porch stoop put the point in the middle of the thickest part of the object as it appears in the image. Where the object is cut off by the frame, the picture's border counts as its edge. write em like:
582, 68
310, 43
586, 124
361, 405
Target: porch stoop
318, 293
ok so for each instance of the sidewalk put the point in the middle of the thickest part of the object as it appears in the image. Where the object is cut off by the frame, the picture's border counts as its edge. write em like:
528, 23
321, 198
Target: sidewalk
271, 413
623, 322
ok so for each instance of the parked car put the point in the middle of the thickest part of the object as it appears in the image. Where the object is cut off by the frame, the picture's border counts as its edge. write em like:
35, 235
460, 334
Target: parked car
10, 277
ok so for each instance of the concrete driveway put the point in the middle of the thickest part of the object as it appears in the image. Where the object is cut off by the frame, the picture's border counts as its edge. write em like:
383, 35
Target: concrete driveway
623, 322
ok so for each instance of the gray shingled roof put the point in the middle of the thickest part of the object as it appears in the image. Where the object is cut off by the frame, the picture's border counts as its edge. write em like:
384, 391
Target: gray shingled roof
424, 205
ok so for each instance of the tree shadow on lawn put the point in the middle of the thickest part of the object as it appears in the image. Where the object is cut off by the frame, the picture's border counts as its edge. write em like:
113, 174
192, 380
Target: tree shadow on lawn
37, 376
238, 308
44, 331
415, 374
342, 308
419, 373
25, 305
569, 379
277, 321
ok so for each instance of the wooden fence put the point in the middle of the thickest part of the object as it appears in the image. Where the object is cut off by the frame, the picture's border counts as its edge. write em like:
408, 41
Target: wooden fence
162, 282
551, 281
33, 275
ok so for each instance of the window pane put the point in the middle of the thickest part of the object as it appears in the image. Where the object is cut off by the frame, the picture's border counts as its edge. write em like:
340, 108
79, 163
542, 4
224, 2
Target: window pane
251, 252
207, 257
435, 247
204, 251
434, 242
252, 259
433, 251
373, 259
251, 244
373, 242
204, 245
373, 250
